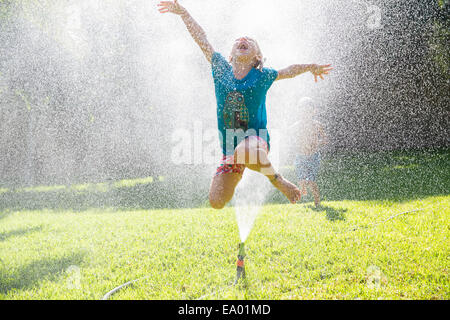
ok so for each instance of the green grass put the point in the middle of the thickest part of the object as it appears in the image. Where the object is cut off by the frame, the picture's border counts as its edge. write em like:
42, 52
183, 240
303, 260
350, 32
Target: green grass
293, 251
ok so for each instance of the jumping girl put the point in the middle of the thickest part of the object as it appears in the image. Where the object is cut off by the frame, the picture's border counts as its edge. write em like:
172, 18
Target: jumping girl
241, 84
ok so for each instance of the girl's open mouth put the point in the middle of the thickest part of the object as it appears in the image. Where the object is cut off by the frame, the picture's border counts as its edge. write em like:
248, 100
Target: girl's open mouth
243, 46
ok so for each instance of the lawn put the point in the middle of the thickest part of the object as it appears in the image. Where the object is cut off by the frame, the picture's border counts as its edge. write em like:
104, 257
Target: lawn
342, 251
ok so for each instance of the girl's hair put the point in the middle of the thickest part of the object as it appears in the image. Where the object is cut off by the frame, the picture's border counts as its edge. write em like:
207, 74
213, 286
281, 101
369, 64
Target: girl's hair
259, 63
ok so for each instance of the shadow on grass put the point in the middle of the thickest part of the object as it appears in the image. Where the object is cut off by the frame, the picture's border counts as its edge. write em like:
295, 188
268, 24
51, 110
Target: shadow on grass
386, 176
30, 275
398, 176
4, 214
332, 214
379, 176
18, 232
171, 193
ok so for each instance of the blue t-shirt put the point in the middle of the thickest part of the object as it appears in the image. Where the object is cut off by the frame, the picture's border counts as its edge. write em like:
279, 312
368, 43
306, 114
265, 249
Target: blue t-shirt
241, 104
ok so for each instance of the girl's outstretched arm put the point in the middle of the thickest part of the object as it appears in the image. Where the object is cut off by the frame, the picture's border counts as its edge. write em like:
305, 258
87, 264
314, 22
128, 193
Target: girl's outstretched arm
193, 27
297, 69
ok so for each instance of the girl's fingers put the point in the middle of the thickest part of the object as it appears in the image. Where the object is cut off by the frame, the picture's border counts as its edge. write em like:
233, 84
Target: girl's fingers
165, 4
163, 11
324, 71
321, 77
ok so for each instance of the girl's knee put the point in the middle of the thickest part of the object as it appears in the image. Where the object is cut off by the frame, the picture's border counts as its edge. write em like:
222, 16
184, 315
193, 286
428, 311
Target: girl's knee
216, 203
216, 200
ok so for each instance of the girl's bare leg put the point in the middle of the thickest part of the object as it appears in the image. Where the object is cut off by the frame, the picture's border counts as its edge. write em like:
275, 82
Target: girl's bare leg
255, 158
315, 192
302, 185
222, 189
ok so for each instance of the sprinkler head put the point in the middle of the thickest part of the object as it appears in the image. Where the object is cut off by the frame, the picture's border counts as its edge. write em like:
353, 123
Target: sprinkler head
240, 268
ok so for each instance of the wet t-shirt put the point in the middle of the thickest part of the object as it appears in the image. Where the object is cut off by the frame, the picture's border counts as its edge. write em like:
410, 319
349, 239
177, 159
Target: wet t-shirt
241, 104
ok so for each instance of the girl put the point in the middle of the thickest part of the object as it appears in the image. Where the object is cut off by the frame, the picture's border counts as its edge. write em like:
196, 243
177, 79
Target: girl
241, 85
309, 138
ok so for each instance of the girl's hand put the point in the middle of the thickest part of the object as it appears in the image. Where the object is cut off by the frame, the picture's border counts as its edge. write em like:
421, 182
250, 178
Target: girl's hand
197, 33
171, 6
320, 70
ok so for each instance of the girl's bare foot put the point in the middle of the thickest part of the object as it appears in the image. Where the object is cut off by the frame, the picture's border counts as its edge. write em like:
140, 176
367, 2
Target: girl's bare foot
289, 189
303, 191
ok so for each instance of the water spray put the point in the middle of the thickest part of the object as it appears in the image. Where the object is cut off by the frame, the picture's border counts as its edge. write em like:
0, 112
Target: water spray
240, 268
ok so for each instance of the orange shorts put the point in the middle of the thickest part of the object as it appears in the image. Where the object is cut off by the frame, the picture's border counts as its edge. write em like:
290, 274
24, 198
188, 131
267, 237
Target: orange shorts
228, 165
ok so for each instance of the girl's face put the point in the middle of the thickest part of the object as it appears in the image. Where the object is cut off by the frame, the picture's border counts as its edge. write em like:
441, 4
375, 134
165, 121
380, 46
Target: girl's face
245, 49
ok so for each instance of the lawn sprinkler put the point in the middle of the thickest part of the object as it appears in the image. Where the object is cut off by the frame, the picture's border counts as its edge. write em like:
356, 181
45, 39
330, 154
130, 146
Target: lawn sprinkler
240, 269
